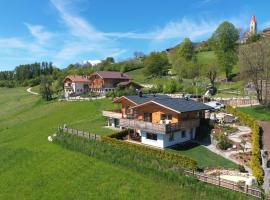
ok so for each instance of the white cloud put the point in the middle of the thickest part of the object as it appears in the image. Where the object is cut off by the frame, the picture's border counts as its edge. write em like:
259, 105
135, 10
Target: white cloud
39, 33
81, 40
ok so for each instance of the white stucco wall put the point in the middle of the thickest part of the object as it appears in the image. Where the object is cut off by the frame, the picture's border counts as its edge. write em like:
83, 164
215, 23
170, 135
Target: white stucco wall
163, 140
76, 87
177, 138
157, 143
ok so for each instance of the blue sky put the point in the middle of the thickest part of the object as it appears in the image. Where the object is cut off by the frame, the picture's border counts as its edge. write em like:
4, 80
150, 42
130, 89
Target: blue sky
70, 31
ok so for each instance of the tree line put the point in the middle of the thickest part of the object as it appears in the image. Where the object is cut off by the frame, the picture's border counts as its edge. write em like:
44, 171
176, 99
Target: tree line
27, 74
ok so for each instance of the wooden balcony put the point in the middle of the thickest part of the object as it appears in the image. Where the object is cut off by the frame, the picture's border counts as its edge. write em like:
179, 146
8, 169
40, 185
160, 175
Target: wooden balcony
112, 114
158, 128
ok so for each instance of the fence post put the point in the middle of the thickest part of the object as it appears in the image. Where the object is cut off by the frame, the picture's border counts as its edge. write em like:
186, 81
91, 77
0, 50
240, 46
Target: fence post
218, 181
88, 135
246, 189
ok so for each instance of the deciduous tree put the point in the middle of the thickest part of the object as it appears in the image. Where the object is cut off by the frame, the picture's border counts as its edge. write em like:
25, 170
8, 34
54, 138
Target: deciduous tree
224, 44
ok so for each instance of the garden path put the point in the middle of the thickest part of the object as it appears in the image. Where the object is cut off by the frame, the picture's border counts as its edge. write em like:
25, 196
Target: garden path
30, 91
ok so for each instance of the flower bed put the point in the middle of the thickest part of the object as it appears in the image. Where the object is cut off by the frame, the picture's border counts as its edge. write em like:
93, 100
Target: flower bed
255, 162
244, 157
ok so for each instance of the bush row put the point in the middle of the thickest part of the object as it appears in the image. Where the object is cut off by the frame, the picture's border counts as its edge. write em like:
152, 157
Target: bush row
120, 135
180, 161
246, 119
118, 152
113, 151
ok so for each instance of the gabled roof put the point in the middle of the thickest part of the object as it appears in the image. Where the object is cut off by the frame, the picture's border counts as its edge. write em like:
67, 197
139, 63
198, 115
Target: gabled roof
77, 78
128, 83
176, 104
112, 75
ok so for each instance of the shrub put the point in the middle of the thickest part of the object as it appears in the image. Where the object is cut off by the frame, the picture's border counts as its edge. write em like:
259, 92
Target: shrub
224, 143
170, 87
255, 163
179, 160
120, 135
242, 168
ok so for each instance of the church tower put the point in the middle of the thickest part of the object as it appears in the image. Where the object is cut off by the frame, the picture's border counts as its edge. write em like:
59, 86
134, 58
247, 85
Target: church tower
253, 25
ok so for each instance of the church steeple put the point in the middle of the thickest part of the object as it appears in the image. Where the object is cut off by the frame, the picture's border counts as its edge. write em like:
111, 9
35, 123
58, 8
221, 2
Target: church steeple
253, 25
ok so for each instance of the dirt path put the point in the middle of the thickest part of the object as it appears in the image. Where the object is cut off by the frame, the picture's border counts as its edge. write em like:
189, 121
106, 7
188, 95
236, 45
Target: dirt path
266, 135
29, 91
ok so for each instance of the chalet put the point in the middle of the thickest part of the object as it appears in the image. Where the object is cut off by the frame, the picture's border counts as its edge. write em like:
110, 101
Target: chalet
157, 120
76, 85
104, 81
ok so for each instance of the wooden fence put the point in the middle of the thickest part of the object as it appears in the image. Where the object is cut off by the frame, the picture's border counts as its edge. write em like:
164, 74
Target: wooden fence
77, 132
252, 191
238, 102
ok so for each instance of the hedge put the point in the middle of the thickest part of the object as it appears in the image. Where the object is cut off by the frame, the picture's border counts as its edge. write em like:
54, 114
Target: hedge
178, 160
120, 135
144, 160
255, 162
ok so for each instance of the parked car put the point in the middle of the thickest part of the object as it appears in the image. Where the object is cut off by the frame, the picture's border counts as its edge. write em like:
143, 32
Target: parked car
215, 105
193, 97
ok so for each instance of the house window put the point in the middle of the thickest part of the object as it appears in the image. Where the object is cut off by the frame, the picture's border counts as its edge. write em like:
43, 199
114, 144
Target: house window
151, 136
166, 117
148, 117
117, 123
183, 134
171, 137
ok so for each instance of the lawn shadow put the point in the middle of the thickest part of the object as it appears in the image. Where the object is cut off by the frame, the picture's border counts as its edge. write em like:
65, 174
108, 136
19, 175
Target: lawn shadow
185, 146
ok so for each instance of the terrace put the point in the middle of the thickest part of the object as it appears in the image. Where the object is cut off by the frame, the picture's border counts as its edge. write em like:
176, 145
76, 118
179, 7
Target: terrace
130, 121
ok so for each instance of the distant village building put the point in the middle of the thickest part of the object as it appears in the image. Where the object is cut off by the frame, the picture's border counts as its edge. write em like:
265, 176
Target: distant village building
75, 85
252, 30
105, 81
253, 25
99, 82
266, 32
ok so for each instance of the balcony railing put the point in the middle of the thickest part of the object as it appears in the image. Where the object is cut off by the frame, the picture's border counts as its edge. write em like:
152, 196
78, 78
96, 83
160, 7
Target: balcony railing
131, 121
158, 128
113, 114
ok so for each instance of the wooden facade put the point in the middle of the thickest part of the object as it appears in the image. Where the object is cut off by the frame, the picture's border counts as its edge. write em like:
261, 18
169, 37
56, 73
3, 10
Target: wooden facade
98, 82
157, 112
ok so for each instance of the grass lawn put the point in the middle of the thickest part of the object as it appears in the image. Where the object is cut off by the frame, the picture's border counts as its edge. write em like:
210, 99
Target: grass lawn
209, 57
33, 168
258, 112
35, 89
203, 156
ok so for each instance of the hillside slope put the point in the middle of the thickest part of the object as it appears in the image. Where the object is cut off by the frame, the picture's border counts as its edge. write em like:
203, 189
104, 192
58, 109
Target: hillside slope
33, 168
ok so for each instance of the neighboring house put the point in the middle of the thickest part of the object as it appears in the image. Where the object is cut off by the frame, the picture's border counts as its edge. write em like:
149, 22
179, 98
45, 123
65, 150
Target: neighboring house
76, 85
130, 84
104, 81
157, 120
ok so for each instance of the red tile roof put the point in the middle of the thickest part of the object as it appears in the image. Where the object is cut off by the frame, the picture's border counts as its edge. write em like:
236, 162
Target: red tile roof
112, 75
76, 78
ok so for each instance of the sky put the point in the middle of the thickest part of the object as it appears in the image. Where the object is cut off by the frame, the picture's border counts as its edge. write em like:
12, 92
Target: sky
71, 31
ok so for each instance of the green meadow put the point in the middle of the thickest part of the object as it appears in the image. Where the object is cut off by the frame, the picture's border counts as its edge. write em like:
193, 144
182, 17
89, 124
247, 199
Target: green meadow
33, 168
